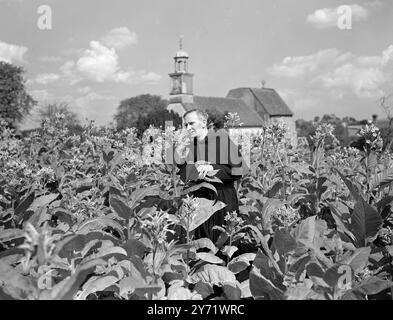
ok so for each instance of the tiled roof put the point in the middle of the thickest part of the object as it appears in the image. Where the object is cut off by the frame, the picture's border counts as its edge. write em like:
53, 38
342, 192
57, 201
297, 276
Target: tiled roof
271, 101
267, 100
248, 116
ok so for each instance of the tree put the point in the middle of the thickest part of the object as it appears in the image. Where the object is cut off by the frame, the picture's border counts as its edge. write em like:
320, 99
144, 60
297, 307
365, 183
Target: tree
305, 128
130, 109
386, 104
216, 119
15, 102
157, 119
49, 111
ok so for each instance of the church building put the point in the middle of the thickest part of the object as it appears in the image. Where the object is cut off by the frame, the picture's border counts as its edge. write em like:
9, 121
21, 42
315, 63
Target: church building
254, 106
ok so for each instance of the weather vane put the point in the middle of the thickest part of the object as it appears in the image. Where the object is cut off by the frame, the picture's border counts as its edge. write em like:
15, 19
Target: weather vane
181, 42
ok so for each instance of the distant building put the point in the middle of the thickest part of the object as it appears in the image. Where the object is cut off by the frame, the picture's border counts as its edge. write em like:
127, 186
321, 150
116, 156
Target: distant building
254, 106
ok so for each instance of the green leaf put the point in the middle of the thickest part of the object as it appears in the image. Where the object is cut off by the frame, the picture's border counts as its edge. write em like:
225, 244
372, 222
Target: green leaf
208, 257
372, 161
382, 179
43, 201
261, 287
204, 289
314, 270
331, 276
283, 241
157, 290
11, 234
212, 274
229, 250
352, 189
365, 221
352, 295
66, 246
372, 285
95, 284
231, 291
141, 193
241, 262
122, 209
66, 289
264, 264
105, 253
385, 201
134, 247
178, 293
100, 223
299, 292
305, 231
274, 189
167, 277
204, 243
192, 173
245, 288
197, 187
108, 155
129, 284
25, 204
358, 260
205, 209
40, 215
268, 209
301, 168
212, 179
337, 216
22, 285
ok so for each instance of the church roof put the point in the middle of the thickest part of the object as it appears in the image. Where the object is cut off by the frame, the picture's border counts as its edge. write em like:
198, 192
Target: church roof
181, 54
267, 100
248, 116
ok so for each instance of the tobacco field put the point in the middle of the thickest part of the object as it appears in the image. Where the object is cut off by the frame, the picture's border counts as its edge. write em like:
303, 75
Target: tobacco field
100, 215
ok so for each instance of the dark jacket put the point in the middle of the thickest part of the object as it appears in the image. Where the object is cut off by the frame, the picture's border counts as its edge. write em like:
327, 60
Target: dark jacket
223, 155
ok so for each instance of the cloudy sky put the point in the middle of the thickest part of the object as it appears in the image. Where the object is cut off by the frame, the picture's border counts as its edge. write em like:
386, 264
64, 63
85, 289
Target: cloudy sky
99, 52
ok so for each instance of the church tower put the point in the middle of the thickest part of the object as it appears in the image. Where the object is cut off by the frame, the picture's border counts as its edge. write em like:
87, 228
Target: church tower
181, 81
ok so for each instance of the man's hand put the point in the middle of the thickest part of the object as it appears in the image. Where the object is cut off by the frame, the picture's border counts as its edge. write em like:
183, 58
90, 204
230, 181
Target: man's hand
203, 169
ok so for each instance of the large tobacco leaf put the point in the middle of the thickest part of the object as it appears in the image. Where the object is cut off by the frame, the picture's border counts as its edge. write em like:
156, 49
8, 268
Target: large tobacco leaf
205, 209
365, 221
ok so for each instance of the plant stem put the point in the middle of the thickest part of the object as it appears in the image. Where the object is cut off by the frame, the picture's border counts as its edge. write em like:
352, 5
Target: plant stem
174, 180
188, 241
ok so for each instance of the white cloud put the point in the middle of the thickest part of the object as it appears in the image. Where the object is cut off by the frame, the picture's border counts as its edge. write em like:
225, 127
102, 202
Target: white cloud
84, 107
119, 38
344, 72
100, 63
68, 72
46, 78
84, 89
145, 77
11, 52
328, 17
67, 67
364, 82
293, 67
41, 95
50, 59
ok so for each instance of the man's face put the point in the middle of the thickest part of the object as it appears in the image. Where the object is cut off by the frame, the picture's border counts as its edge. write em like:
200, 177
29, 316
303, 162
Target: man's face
194, 124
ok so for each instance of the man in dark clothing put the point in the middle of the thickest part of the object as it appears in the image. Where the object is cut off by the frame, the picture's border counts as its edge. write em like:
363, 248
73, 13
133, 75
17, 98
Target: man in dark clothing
210, 151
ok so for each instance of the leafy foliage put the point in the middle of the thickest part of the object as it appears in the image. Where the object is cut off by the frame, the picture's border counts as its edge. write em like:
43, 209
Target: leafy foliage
15, 102
101, 214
